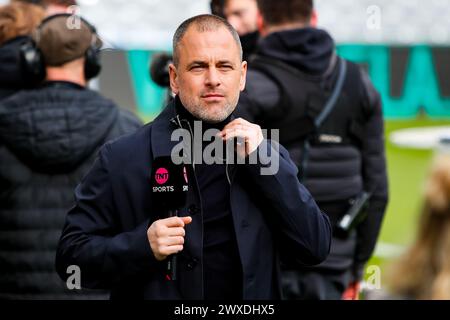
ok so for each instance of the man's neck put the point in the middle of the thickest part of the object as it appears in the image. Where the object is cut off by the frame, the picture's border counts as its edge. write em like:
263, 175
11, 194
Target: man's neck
58, 74
284, 27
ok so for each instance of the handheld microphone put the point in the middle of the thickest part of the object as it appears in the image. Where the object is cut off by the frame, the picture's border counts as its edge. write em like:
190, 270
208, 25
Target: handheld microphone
356, 213
169, 192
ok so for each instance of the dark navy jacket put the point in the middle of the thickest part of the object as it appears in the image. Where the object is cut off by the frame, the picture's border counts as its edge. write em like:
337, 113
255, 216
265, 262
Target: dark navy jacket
106, 231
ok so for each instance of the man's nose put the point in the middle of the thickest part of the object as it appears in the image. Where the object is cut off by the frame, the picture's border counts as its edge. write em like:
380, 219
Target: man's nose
213, 78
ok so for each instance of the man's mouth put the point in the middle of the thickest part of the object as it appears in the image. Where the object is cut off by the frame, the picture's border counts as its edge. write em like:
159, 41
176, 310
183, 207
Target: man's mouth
212, 95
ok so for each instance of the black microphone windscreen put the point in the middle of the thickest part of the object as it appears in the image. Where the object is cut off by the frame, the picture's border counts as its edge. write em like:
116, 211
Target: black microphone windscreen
159, 68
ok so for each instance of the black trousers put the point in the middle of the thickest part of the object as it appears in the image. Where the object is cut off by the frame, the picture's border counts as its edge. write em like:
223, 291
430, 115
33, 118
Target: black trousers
329, 280
311, 285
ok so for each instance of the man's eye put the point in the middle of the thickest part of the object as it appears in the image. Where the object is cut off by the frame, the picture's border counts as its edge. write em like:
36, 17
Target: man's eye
195, 68
226, 67
237, 14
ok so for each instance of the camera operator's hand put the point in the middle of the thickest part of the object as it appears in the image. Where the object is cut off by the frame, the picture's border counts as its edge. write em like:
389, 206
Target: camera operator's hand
251, 135
166, 236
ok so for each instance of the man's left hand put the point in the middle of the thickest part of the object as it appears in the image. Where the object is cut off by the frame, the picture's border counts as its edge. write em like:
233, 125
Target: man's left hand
250, 134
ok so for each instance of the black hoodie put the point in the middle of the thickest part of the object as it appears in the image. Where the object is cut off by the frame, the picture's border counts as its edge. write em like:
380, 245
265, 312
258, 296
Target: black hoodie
308, 49
54, 129
12, 77
48, 140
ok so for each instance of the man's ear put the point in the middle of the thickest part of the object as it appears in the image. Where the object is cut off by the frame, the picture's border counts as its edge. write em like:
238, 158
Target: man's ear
173, 78
314, 19
243, 76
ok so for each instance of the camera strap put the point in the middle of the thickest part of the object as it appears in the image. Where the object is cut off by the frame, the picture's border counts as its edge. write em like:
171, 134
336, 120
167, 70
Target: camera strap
318, 121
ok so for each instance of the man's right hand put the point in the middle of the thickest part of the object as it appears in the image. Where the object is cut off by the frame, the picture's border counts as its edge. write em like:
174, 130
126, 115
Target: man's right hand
166, 236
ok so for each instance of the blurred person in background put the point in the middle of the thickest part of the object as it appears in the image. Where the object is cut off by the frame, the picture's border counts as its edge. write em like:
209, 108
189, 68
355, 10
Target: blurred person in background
242, 15
17, 21
330, 120
49, 137
423, 272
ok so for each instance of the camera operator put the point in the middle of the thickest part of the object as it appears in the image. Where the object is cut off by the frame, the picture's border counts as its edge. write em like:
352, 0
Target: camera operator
330, 119
48, 140
17, 21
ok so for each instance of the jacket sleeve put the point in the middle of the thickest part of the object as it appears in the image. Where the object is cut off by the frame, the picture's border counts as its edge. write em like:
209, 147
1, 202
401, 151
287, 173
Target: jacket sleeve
90, 239
304, 231
375, 178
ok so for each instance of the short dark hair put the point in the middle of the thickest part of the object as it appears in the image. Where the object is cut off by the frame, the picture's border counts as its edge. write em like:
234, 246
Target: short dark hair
19, 19
217, 7
285, 11
204, 23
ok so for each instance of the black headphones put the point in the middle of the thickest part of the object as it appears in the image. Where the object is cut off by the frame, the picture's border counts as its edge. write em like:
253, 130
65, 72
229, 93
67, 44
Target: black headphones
33, 60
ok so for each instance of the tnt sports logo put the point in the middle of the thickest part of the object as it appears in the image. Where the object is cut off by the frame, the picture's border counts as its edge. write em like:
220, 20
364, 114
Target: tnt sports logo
162, 175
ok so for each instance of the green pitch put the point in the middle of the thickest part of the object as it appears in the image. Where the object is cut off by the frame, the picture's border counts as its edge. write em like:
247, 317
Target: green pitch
407, 170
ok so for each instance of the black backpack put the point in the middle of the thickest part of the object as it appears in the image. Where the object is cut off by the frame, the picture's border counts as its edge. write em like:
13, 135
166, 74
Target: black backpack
314, 110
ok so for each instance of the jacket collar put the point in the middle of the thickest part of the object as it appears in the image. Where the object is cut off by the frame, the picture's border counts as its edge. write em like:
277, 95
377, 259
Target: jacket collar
164, 124
60, 84
162, 129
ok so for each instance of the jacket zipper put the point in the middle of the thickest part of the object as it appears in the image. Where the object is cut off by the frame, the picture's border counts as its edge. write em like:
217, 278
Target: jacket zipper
177, 122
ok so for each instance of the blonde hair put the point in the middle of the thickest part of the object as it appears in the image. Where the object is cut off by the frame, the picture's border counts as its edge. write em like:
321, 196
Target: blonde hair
423, 272
19, 19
